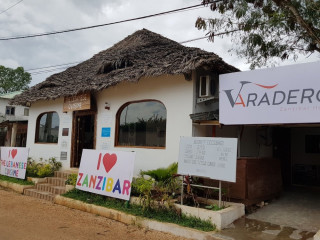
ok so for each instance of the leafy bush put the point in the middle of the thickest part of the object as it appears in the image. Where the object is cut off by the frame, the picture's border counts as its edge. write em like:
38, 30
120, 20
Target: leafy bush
43, 168
143, 187
72, 179
165, 180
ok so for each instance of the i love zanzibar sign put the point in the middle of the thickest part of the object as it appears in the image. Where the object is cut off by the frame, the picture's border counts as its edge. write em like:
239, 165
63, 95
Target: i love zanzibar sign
14, 161
106, 173
289, 94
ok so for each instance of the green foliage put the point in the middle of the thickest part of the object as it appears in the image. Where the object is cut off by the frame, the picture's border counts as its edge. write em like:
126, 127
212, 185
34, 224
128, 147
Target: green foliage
159, 214
143, 187
13, 79
214, 207
72, 179
264, 31
165, 179
16, 180
162, 174
43, 168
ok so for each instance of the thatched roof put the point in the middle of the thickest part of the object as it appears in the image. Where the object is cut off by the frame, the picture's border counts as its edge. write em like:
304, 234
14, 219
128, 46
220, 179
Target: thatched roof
142, 54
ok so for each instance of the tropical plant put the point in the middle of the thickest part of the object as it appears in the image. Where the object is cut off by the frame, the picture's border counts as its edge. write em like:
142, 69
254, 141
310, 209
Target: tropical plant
42, 168
72, 179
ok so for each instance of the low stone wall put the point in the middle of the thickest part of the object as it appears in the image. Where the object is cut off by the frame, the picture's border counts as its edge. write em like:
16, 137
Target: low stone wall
221, 219
14, 186
139, 221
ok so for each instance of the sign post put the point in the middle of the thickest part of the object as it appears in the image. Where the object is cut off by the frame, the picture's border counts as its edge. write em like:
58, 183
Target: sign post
106, 173
14, 161
214, 158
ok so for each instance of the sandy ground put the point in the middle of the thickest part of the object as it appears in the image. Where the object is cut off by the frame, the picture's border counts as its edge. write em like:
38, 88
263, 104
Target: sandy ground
23, 217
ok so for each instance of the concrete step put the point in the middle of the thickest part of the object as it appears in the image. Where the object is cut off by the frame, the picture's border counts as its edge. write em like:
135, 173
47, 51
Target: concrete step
65, 174
57, 181
47, 187
39, 194
44, 187
58, 190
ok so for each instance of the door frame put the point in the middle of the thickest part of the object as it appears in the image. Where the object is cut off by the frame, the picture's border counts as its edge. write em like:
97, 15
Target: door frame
77, 114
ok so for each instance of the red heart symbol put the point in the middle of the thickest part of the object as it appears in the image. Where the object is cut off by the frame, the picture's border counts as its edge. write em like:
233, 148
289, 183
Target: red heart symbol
109, 161
14, 153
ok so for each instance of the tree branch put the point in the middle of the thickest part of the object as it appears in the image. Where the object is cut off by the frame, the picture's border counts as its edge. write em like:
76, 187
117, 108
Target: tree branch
300, 20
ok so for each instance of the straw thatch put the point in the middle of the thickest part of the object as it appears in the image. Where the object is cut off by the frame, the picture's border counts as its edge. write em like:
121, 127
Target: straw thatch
141, 54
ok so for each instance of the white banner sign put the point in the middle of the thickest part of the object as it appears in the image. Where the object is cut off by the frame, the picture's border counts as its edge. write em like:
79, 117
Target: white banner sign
14, 161
106, 173
289, 94
215, 158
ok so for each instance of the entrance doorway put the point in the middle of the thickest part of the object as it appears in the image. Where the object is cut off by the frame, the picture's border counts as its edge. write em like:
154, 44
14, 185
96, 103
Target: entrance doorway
83, 135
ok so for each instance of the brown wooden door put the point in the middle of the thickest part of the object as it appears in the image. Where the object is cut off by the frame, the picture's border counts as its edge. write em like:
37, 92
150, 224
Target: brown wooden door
84, 135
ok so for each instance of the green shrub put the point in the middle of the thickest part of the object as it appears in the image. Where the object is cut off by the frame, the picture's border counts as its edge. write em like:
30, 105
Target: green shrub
143, 187
72, 179
166, 183
43, 168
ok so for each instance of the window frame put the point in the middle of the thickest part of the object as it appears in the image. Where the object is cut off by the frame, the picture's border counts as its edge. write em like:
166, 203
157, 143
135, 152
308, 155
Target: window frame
36, 139
10, 110
116, 139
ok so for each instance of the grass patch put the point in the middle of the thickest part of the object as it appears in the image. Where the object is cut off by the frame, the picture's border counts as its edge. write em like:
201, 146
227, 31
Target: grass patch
15, 180
162, 215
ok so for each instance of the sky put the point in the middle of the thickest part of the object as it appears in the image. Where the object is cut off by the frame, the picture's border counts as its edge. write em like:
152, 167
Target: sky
34, 16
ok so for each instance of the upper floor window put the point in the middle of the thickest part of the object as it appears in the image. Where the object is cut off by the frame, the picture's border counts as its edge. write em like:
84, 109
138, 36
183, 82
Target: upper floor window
26, 112
10, 110
142, 124
47, 130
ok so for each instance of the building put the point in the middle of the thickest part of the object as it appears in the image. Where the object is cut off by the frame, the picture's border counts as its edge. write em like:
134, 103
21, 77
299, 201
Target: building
13, 122
135, 96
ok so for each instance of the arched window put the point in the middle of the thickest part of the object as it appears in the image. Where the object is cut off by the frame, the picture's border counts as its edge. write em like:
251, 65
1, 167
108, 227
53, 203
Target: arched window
142, 124
47, 130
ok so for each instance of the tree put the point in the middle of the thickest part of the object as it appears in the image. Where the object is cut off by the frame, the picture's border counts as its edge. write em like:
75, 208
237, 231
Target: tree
13, 79
266, 30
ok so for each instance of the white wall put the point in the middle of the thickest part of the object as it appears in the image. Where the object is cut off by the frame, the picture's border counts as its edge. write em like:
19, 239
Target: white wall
19, 110
48, 150
173, 91
177, 96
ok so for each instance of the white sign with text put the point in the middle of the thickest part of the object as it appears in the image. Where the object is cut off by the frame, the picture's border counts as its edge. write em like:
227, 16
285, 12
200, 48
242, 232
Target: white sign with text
14, 161
289, 94
215, 158
106, 173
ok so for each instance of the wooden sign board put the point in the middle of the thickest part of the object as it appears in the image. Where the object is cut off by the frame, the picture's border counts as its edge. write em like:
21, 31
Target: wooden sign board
78, 102
215, 158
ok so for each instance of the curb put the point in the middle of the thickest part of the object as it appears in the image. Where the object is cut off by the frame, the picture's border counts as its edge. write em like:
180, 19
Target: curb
14, 186
139, 221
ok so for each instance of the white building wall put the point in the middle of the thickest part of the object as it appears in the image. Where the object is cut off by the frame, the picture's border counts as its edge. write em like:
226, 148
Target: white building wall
48, 150
173, 91
19, 110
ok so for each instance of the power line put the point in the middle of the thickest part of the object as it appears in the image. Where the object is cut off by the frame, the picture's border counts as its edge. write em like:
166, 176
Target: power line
99, 25
53, 66
11, 6
47, 69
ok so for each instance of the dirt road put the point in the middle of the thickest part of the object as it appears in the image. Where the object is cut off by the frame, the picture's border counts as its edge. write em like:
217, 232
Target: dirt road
23, 217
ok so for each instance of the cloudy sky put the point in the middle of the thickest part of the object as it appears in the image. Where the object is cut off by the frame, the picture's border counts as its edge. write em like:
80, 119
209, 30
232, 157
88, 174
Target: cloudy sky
34, 16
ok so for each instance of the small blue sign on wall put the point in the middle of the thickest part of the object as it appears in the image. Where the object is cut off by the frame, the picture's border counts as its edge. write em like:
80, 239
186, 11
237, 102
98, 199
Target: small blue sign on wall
105, 132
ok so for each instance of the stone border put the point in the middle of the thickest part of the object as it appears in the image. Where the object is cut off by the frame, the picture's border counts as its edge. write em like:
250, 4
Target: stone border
14, 186
139, 221
221, 219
